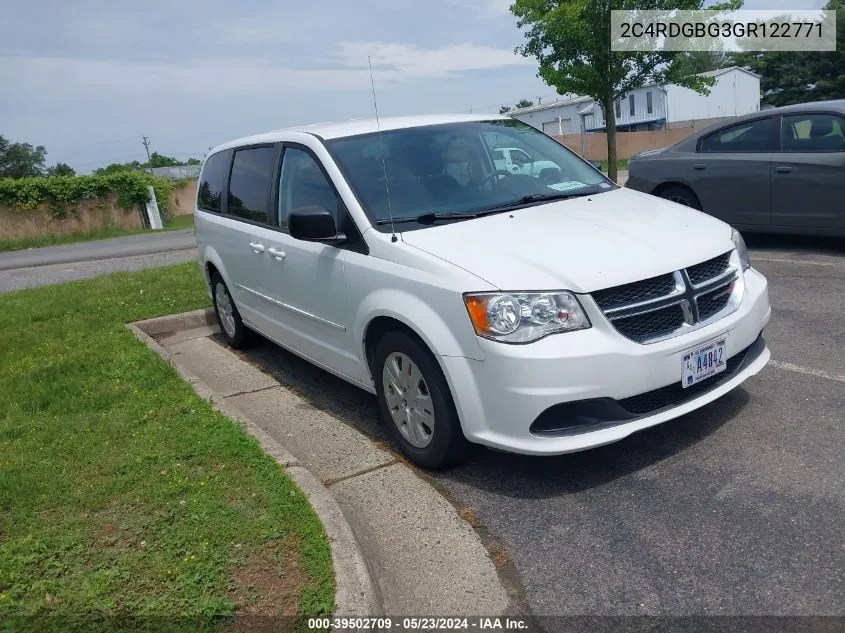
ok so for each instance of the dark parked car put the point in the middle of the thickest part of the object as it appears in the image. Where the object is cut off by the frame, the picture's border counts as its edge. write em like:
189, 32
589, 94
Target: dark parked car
777, 170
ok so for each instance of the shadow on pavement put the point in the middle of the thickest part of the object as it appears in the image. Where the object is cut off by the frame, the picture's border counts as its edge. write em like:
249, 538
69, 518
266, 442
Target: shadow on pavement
812, 244
497, 472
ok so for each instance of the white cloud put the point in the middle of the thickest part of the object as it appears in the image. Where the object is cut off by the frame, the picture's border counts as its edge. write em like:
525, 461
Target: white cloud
403, 61
498, 7
194, 77
86, 73
250, 78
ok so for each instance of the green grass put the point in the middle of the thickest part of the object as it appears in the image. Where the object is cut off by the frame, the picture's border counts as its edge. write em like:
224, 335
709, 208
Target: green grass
622, 163
180, 222
50, 239
122, 493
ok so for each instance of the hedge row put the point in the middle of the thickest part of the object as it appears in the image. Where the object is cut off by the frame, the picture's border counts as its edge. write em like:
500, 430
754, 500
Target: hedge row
62, 194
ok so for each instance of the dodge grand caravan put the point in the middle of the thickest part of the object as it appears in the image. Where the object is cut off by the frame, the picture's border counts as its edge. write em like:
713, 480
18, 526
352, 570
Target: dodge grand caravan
533, 315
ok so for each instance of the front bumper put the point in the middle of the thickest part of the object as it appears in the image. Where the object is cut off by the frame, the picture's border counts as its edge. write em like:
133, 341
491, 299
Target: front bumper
499, 398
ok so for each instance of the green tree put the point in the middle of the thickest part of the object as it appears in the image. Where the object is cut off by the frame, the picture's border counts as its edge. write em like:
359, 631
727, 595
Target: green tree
571, 40
113, 168
194, 161
785, 77
705, 61
796, 77
159, 160
830, 66
61, 169
19, 160
523, 103
504, 109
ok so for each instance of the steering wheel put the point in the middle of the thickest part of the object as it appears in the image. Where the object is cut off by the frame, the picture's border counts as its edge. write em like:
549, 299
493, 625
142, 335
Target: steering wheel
494, 174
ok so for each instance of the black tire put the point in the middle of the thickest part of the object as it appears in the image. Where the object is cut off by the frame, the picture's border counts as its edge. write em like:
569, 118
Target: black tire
447, 445
236, 334
681, 195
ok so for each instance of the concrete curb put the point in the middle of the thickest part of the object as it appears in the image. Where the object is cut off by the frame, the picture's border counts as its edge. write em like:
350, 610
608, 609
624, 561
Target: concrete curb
355, 591
174, 322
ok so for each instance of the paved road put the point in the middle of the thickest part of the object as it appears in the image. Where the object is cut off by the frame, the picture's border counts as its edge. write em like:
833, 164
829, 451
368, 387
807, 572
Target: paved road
130, 245
19, 278
734, 509
58, 264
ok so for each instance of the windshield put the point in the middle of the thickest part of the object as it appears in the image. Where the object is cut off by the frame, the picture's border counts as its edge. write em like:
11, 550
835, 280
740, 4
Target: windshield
459, 168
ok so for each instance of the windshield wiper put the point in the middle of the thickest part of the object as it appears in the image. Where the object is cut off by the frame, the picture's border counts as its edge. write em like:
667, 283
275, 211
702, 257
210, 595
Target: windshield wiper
431, 218
531, 199
428, 218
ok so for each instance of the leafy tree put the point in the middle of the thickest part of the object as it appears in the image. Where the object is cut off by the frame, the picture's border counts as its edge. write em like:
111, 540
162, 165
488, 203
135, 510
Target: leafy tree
504, 109
830, 66
114, 168
61, 169
19, 160
785, 77
159, 160
571, 40
704, 61
797, 77
523, 103
156, 160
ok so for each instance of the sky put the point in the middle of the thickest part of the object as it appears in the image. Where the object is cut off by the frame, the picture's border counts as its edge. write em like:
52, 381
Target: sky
88, 79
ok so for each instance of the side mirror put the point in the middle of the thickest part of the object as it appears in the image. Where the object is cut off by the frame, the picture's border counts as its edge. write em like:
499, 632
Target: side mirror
314, 224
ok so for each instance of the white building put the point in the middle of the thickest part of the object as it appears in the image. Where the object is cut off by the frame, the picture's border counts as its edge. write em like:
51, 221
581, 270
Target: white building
736, 92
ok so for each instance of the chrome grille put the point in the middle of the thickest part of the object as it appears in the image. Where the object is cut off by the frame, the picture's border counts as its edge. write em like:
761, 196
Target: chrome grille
643, 327
635, 292
664, 306
709, 269
712, 302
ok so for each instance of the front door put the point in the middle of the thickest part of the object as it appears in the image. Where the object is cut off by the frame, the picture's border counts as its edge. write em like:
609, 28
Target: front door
306, 281
808, 174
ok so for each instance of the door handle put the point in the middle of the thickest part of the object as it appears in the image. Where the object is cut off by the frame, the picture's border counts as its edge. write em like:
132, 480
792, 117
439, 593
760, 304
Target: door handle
783, 169
257, 247
275, 252
700, 167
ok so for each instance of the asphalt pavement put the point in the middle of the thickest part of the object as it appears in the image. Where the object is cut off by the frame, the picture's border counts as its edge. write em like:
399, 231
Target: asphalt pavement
734, 509
82, 260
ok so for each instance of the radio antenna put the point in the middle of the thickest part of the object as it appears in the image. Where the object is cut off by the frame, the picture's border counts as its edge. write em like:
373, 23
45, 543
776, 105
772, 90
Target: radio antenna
393, 237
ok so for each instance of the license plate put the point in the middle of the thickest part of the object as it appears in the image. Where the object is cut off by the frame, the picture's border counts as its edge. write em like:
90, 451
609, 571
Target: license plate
703, 362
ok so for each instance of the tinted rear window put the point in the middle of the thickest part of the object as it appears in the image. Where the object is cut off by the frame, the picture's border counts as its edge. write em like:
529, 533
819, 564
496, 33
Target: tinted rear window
210, 193
249, 186
754, 136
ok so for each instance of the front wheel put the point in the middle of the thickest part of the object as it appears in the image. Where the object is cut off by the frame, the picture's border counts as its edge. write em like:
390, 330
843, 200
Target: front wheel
416, 403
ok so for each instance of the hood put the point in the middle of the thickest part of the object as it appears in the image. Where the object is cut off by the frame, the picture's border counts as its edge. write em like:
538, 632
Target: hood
581, 244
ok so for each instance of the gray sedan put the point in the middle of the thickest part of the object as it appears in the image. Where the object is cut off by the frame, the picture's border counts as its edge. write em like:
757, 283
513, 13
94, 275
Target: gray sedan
778, 170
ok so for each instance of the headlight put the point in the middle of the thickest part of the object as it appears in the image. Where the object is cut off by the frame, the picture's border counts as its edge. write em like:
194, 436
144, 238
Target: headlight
741, 250
523, 317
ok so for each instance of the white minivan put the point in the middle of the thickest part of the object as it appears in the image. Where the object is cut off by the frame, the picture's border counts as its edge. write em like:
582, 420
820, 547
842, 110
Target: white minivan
538, 315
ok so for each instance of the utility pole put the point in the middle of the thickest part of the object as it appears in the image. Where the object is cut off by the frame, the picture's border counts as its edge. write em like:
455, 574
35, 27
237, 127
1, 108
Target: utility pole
146, 142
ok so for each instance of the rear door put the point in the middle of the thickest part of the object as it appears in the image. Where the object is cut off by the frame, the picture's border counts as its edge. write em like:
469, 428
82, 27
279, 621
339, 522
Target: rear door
808, 173
246, 211
730, 172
